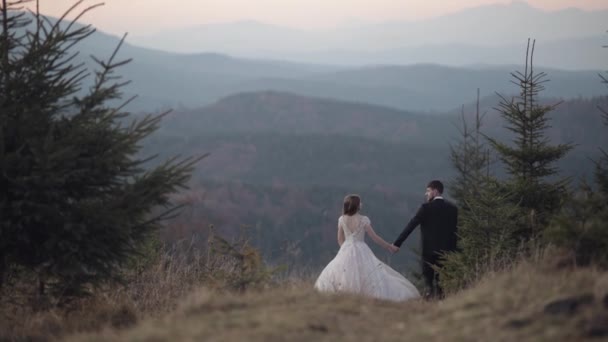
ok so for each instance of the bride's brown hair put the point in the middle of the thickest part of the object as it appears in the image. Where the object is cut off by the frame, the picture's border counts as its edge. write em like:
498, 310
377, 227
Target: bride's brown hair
352, 204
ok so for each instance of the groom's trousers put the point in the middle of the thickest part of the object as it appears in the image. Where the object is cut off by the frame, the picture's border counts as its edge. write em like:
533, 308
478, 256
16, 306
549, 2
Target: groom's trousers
431, 278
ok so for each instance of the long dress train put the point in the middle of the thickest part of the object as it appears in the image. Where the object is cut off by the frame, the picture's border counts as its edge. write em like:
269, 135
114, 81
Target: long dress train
356, 269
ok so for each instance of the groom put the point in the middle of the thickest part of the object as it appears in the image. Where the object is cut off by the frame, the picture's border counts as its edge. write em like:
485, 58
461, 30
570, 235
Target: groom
437, 219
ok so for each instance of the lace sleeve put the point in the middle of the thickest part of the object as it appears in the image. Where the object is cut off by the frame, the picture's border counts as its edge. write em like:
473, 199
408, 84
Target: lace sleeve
365, 222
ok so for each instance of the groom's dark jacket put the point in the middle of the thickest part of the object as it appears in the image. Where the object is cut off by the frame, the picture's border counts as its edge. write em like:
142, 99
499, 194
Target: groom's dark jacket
438, 220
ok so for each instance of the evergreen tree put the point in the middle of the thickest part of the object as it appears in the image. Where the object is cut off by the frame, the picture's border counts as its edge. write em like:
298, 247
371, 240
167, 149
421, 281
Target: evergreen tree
601, 171
582, 226
470, 158
530, 159
488, 239
487, 220
77, 198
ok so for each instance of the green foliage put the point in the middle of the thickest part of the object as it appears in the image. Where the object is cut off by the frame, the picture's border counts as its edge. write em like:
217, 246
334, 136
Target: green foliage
488, 221
601, 173
530, 160
236, 265
601, 170
76, 197
488, 238
581, 228
148, 253
470, 158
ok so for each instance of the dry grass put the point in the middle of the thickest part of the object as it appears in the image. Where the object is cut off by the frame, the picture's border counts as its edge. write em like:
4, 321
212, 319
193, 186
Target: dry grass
504, 306
151, 293
166, 303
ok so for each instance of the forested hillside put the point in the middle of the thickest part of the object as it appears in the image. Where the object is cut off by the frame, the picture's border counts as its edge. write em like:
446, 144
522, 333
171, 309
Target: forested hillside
281, 163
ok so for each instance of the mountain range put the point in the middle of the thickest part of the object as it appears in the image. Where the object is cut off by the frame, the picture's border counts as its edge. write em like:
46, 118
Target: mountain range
495, 34
164, 80
168, 80
269, 137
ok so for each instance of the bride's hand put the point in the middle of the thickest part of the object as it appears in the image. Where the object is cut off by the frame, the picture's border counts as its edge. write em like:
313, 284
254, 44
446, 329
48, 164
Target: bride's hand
393, 249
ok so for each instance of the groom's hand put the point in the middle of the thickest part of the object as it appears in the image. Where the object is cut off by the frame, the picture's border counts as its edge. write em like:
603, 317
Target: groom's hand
393, 249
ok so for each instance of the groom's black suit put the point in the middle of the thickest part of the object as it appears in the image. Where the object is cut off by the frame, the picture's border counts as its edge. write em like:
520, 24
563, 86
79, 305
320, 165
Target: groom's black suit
437, 220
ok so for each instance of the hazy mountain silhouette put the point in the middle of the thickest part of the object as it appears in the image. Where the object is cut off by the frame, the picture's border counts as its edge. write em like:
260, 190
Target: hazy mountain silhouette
197, 80
576, 120
489, 34
286, 113
168, 80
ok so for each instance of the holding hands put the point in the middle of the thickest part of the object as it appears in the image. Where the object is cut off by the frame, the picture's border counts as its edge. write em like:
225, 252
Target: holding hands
393, 249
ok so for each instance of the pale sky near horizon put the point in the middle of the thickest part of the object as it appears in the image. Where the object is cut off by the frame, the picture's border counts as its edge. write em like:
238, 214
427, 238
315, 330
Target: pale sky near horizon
140, 17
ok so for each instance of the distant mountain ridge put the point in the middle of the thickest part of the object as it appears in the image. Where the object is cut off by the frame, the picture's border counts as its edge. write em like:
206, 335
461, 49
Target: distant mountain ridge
486, 34
169, 80
270, 112
287, 113
416, 88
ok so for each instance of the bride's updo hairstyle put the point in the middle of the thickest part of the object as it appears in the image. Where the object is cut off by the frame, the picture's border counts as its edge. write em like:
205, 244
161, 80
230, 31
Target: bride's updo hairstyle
352, 204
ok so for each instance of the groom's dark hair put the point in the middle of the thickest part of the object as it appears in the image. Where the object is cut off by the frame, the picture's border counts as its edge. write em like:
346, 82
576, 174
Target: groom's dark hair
436, 185
352, 203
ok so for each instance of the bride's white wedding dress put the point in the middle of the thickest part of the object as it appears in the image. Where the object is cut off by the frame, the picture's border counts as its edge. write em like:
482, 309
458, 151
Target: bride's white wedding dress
356, 269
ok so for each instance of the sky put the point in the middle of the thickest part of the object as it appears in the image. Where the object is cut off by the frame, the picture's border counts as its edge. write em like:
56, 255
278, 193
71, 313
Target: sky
140, 17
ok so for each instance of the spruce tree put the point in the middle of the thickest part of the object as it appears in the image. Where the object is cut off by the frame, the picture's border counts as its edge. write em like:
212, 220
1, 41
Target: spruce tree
601, 170
470, 159
487, 220
582, 226
77, 197
530, 158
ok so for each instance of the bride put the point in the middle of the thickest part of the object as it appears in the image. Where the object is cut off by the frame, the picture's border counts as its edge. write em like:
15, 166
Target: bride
355, 268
